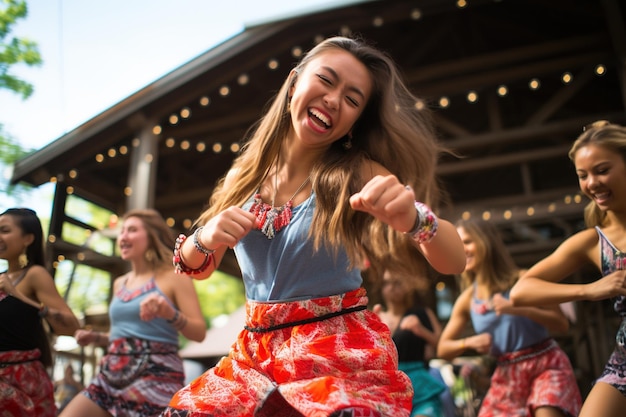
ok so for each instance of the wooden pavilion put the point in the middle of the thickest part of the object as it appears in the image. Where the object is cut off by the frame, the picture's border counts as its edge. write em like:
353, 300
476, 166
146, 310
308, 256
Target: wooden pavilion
511, 83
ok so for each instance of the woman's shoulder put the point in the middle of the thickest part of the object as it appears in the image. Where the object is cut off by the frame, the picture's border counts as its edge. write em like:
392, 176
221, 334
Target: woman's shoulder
582, 240
37, 272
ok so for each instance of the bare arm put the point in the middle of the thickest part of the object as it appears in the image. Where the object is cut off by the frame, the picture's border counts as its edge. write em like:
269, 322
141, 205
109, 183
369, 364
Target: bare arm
450, 343
391, 202
541, 284
186, 299
53, 307
221, 232
185, 314
551, 317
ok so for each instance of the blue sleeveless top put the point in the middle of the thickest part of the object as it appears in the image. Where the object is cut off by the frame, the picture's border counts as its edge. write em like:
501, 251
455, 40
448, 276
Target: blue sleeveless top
287, 268
612, 259
509, 333
125, 321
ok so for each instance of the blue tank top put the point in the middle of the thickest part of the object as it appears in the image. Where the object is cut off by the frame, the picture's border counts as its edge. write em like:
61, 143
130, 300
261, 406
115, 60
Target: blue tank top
612, 259
287, 268
509, 333
125, 321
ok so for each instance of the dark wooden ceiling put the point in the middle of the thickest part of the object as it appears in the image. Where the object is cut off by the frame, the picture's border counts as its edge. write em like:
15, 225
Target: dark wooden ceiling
511, 163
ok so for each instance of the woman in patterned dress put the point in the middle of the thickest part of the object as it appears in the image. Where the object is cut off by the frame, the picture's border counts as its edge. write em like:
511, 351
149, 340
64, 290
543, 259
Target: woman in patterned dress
599, 156
27, 296
328, 179
533, 375
141, 369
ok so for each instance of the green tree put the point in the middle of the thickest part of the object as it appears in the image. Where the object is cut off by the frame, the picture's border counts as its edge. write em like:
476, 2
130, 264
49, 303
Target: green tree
13, 51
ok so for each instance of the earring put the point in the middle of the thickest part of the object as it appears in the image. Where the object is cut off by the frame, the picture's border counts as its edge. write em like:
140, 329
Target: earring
22, 260
150, 255
347, 144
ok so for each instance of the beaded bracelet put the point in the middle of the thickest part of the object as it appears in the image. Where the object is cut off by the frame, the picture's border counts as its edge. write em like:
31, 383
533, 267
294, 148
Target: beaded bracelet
176, 316
426, 224
196, 242
179, 264
179, 321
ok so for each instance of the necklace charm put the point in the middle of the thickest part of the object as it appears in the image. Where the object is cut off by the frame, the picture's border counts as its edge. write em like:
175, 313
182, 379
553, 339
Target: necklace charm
271, 219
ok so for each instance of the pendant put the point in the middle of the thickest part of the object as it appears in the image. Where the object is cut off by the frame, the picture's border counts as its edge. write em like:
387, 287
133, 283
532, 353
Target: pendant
271, 220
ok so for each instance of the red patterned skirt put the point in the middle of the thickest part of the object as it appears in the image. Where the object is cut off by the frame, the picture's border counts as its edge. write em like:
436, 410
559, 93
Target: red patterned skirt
137, 378
537, 376
309, 357
25, 387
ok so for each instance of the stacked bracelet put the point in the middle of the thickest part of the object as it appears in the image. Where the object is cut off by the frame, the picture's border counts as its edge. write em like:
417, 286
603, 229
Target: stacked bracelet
196, 242
179, 321
180, 267
426, 224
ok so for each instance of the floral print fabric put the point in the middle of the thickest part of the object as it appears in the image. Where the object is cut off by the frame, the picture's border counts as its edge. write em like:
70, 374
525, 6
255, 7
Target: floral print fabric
25, 387
543, 376
614, 373
316, 368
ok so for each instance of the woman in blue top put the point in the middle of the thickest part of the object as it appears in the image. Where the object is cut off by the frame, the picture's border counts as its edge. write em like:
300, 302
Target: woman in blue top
327, 180
599, 155
533, 376
141, 369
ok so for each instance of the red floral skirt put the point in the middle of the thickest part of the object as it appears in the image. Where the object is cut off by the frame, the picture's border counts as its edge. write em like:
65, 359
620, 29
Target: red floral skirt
309, 357
25, 387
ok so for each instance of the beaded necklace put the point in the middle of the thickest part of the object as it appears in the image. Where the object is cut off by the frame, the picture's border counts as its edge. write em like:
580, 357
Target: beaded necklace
270, 219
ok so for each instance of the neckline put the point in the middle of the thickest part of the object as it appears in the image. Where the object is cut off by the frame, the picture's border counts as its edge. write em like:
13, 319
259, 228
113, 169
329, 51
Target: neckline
18, 279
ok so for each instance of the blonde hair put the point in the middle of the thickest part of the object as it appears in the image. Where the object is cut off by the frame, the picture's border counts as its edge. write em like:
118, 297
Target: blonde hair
606, 135
160, 236
495, 263
392, 131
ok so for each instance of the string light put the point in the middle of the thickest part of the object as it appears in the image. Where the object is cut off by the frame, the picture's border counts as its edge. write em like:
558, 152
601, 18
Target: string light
534, 84
297, 52
272, 64
416, 14
243, 79
600, 69
567, 77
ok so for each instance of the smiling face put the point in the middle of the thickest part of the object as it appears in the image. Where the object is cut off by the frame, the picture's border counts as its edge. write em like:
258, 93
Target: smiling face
473, 255
12, 238
133, 239
601, 175
329, 95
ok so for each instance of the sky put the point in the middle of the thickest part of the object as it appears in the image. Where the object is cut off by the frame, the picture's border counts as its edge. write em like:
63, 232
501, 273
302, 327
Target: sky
98, 52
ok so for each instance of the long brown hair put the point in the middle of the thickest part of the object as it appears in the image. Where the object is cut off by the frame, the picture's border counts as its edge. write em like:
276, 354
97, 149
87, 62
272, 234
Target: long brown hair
609, 136
160, 236
393, 130
495, 263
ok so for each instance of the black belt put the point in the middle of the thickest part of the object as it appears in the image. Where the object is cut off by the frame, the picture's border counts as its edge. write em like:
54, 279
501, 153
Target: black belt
305, 321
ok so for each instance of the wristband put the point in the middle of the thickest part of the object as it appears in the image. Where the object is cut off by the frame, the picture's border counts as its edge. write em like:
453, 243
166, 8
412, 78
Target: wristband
196, 242
426, 224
